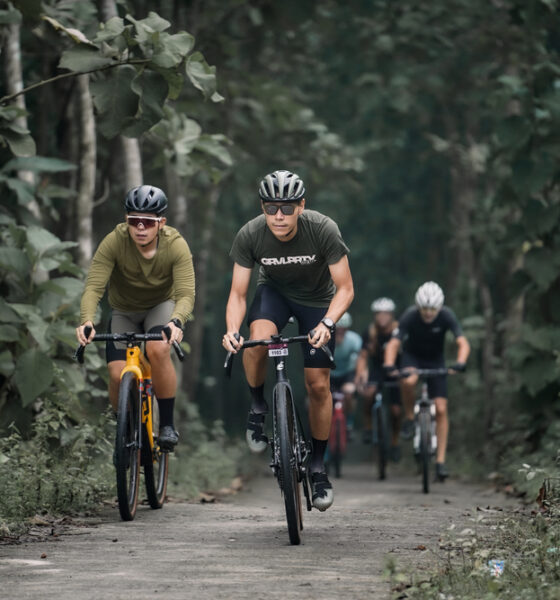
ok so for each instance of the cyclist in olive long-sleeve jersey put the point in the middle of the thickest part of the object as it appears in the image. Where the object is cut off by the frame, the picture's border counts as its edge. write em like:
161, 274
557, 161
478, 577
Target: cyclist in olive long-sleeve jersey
148, 269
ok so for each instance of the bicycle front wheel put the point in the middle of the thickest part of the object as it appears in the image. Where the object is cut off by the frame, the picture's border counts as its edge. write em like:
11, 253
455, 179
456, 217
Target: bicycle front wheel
128, 447
288, 471
156, 463
379, 420
425, 422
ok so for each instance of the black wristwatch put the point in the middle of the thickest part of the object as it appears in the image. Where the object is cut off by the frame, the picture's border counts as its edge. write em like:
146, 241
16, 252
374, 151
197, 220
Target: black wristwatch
177, 323
329, 323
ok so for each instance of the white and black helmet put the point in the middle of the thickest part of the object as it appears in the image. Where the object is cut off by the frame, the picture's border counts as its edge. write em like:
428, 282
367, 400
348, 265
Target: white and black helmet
429, 295
281, 186
383, 305
345, 321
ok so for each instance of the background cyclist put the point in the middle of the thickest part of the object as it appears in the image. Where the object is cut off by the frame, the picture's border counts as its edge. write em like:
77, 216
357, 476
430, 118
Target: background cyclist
348, 346
303, 272
421, 331
370, 373
148, 269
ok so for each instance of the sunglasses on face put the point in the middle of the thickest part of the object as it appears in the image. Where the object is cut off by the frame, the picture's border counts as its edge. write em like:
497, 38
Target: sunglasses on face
272, 209
146, 222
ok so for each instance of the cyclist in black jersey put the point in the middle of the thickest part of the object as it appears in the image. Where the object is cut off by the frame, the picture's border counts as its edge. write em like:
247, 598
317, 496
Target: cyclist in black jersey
303, 272
421, 333
370, 374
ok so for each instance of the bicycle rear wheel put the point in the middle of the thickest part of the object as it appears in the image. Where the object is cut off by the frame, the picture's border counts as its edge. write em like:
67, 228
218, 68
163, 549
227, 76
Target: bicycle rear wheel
128, 447
156, 463
288, 471
379, 420
425, 442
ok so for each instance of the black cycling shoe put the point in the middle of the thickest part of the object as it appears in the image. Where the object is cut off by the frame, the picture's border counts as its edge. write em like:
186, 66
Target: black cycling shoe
441, 472
407, 429
322, 489
256, 439
168, 438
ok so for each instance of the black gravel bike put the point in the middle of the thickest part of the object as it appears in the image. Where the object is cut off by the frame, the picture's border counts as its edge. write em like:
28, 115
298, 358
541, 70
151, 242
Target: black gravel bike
290, 448
136, 442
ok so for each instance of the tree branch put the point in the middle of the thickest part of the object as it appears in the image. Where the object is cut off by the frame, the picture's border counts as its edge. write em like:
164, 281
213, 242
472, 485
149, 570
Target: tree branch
6, 99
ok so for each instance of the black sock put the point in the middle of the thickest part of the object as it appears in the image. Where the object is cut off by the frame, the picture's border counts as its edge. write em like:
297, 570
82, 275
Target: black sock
166, 406
259, 404
318, 455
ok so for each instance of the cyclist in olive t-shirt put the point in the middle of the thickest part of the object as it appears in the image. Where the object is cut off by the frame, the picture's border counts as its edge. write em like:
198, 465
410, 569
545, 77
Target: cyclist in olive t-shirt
148, 268
304, 272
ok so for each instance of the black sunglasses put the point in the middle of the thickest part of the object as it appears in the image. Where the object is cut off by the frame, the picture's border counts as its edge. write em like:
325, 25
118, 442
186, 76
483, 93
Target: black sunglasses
272, 209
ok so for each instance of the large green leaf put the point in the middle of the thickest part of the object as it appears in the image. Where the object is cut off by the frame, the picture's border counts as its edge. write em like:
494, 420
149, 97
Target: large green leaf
148, 27
10, 17
20, 144
84, 58
23, 190
8, 333
115, 101
14, 259
36, 324
33, 375
202, 75
214, 145
172, 49
7, 313
38, 163
110, 30
152, 89
42, 240
6, 363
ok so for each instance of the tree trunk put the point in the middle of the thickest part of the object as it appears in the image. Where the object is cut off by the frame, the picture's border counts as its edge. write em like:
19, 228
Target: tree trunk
88, 158
107, 9
196, 332
132, 162
14, 84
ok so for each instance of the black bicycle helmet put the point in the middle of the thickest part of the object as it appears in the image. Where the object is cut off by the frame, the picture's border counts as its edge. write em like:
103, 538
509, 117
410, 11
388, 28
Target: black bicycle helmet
146, 199
281, 186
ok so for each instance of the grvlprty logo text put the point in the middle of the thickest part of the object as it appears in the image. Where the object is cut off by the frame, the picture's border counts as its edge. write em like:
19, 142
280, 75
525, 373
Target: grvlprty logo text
289, 260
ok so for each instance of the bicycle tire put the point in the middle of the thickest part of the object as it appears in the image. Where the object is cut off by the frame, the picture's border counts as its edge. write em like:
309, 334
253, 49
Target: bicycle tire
156, 463
425, 422
128, 447
382, 457
288, 471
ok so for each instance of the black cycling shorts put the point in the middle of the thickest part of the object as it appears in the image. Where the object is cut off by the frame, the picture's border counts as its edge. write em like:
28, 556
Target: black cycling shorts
271, 305
437, 386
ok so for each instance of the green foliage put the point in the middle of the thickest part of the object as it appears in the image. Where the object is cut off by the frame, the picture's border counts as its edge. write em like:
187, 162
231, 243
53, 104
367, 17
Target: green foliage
60, 467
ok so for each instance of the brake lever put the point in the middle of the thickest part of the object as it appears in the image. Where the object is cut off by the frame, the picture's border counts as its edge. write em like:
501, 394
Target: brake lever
228, 364
325, 349
79, 352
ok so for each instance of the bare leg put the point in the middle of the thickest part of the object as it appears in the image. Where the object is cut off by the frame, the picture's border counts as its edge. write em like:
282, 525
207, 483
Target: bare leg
320, 402
407, 393
164, 376
115, 367
368, 396
442, 428
255, 359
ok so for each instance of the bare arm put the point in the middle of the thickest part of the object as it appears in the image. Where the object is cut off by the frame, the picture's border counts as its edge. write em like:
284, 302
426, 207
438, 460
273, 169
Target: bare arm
463, 349
236, 306
362, 367
342, 278
391, 351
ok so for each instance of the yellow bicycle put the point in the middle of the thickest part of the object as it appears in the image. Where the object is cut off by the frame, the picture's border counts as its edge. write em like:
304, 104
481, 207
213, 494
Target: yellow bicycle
136, 441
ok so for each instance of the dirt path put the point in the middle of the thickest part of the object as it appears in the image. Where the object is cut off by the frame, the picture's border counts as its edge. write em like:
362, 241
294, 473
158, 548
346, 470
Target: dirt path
238, 548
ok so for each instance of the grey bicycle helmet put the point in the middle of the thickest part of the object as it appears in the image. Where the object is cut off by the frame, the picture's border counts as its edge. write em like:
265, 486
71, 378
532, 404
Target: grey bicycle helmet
146, 199
281, 186
383, 305
429, 295
345, 321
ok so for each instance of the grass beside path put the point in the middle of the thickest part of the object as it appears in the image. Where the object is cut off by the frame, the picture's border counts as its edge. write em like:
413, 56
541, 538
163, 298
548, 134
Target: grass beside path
525, 540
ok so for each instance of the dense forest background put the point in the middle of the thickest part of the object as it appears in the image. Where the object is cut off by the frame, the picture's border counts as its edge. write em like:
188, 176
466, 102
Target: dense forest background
429, 131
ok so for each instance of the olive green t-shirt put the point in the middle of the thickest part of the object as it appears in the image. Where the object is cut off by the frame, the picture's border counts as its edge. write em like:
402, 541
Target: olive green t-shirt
136, 283
299, 268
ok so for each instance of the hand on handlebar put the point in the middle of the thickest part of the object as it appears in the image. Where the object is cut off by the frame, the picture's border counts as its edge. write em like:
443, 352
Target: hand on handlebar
172, 333
458, 367
390, 371
319, 336
81, 333
232, 341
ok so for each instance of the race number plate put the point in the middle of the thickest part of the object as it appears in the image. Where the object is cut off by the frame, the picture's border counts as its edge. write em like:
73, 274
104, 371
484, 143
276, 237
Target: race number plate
278, 350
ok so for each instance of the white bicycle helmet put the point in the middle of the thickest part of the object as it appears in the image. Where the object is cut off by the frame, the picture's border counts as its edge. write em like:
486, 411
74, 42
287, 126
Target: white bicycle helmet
383, 305
345, 321
429, 295
281, 186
